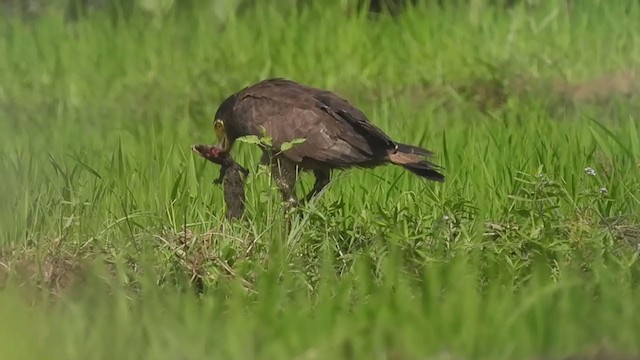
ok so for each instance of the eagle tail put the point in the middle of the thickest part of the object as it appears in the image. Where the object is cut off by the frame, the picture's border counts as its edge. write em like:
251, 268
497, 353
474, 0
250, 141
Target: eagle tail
412, 158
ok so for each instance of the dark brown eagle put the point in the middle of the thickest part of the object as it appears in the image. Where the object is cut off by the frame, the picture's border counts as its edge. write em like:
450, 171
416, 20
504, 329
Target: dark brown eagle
336, 134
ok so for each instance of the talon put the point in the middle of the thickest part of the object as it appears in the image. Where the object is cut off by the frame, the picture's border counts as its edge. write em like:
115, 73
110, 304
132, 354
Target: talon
291, 203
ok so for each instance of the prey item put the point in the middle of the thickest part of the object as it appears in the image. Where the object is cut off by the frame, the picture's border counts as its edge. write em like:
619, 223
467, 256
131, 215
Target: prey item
232, 178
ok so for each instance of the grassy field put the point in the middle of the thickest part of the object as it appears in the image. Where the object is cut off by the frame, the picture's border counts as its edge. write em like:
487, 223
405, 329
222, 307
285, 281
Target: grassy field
113, 243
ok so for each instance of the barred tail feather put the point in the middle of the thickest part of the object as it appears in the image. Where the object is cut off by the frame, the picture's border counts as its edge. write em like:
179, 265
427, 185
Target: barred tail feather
412, 158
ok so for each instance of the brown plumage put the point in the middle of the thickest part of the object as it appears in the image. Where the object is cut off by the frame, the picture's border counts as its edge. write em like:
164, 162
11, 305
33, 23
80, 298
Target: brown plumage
232, 178
337, 135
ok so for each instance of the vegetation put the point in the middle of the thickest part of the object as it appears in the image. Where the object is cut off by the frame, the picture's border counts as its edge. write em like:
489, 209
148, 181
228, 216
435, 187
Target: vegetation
113, 241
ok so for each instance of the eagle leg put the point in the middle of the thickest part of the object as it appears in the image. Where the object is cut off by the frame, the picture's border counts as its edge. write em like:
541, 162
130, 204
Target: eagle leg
322, 180
283, 173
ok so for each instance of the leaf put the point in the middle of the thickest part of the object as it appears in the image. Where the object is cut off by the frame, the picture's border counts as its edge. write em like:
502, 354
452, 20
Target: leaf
192, 182
288, 145
635, 143
249, 139
266, 140
176, 185
519, 198
263, 198
120, 157
85, 166
610, 134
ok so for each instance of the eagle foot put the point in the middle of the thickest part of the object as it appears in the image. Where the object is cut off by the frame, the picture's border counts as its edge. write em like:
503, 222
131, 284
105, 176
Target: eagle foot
291, 203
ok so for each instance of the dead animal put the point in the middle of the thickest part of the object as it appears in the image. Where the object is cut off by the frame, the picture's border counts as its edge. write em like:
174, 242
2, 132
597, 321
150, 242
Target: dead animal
232, 178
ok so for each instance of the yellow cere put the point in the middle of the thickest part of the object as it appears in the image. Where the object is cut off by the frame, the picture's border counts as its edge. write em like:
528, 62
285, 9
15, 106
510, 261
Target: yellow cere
218, 127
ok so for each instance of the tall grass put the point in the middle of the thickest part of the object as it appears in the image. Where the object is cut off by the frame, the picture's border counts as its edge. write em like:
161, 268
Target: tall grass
521, 252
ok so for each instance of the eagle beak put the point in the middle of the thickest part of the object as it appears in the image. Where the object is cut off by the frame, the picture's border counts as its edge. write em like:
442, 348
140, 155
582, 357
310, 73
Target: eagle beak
218, 127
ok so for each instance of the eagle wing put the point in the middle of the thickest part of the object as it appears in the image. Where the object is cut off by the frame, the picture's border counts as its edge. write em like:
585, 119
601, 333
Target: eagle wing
331, 134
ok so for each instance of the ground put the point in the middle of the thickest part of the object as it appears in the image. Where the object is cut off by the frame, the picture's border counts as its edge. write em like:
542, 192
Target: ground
113, 240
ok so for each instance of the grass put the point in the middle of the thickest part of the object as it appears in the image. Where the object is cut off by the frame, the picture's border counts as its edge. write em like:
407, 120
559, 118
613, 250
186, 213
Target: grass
520, 253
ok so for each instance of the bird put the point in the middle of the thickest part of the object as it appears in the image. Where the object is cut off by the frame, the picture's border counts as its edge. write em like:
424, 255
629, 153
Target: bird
335, 134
